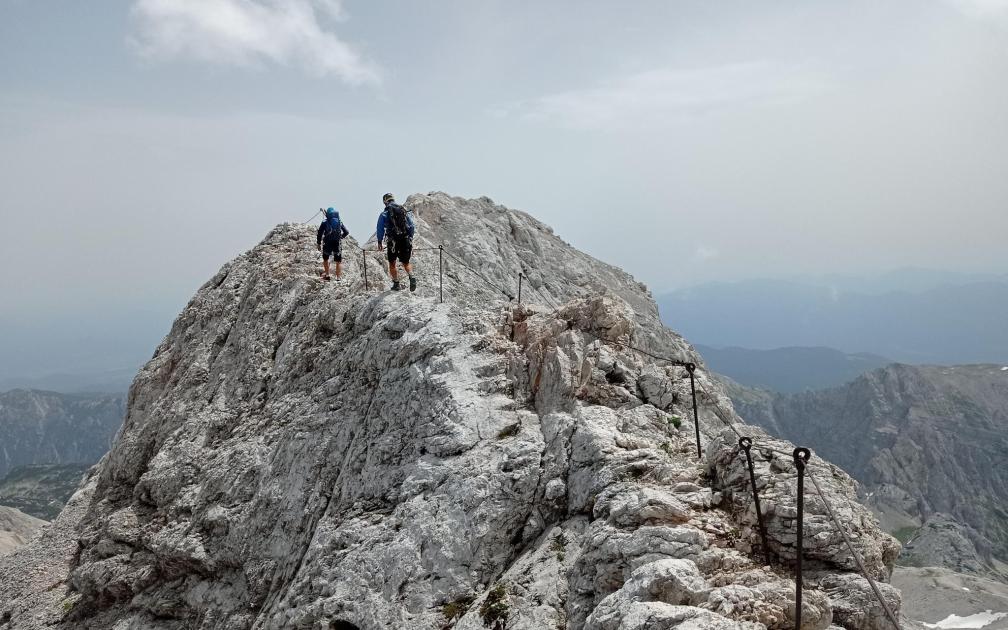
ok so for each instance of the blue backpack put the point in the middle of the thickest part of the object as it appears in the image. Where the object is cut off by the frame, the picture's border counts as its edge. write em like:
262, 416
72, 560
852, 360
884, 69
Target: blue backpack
333, 231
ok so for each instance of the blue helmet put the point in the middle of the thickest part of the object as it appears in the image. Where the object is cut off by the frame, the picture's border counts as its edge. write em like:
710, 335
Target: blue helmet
331, 213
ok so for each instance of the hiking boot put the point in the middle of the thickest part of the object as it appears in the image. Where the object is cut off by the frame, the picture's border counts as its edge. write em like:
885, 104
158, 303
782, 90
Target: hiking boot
412, 283
396, 286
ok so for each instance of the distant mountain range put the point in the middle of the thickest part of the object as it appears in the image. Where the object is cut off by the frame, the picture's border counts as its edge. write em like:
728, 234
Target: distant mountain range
40, 427
944, 319
789, 370
87, 382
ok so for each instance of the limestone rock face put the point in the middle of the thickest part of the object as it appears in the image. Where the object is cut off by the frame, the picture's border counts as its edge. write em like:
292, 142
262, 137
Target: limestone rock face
299, 454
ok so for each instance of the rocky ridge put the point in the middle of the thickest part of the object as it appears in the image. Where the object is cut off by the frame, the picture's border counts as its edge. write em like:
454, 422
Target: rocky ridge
304, 454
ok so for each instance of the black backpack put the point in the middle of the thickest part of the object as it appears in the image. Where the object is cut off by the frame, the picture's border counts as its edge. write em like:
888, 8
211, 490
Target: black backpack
396, 223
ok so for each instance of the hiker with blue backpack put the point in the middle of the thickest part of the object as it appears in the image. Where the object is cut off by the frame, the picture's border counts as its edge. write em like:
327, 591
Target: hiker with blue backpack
330, 242
396, 227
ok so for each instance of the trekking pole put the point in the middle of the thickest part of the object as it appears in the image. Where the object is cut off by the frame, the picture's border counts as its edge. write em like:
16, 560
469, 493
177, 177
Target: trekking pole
801, 456
520, 275
440, 269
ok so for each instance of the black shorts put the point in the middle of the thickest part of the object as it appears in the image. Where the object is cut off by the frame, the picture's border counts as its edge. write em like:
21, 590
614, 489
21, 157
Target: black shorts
400, 250
332, 249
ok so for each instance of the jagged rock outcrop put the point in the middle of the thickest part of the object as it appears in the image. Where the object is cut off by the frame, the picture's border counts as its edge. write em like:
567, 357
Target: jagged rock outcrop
16, 528
928, 444
943, 542
41, 427
302, 454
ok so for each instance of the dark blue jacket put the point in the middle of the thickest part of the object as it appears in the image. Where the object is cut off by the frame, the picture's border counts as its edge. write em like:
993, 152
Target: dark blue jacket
410, 228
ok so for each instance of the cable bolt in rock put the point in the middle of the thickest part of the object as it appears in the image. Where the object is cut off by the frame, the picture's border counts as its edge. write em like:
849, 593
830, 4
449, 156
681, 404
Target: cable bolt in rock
801, 456
520, 276
440, 268
746, 444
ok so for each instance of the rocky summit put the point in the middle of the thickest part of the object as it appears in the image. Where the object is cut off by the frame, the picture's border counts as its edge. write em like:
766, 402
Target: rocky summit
303, 454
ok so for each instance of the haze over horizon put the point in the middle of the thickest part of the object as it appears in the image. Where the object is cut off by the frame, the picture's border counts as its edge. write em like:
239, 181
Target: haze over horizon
147, 142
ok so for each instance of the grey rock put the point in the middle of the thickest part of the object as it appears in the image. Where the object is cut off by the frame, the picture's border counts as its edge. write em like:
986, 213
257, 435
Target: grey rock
822, 541
636, 615
942, 541
670, 581
298, 453
854, 604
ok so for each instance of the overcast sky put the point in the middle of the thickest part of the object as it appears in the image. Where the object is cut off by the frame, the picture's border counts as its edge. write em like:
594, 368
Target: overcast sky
143, 143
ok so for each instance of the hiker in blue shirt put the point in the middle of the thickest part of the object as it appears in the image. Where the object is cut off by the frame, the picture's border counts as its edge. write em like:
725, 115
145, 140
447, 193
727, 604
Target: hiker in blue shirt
330, 242
396, 226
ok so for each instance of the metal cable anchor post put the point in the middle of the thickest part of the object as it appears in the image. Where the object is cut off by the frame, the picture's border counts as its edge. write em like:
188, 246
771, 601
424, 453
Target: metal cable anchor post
691, 367
440, 267
520, 276
363, 255
801, 456
746, 444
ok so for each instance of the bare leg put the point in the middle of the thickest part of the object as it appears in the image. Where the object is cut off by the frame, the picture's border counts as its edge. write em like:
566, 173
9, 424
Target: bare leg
325, 267
339, 270
409, 269
393, 272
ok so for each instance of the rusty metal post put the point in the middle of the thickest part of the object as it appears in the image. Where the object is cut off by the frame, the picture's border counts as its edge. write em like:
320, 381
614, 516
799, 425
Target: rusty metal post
746, 444
363, 254
801, 456
691, 367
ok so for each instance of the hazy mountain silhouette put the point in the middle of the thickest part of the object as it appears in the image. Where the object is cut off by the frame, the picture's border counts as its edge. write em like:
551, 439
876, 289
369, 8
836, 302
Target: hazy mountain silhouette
789, 370
949, 323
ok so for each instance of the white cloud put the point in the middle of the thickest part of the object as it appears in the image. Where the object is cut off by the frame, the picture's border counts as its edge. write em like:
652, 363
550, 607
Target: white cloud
704, 253
249, 32
982, 8
672, 94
